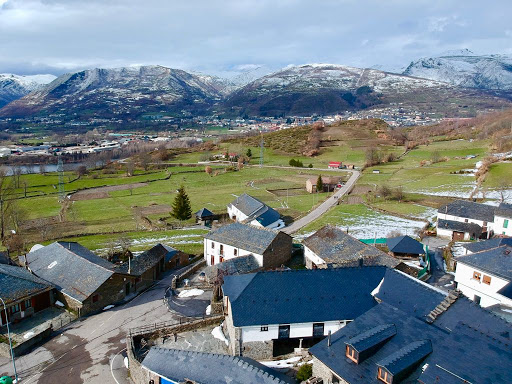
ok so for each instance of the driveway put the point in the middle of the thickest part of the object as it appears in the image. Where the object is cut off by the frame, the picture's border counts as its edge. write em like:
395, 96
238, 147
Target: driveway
83, 352
324, 207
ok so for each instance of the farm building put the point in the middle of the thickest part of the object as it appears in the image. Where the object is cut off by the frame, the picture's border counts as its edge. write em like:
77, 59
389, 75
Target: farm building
335, 165
329, 184
248, 209
465, 220
405, 246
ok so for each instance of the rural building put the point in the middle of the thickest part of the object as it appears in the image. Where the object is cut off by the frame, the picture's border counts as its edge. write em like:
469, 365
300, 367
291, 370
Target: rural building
23, 293
465, 220
405, 246
176, 366
234, 266
391, 340
329, 184
330, 247
248, 209
270, 248
503, 219
205, 217
486, 276
485, 245
335, 165
268, 313
85, 282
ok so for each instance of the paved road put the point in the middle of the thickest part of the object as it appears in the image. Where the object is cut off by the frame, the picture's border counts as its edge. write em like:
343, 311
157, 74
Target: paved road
325, 206
84, 351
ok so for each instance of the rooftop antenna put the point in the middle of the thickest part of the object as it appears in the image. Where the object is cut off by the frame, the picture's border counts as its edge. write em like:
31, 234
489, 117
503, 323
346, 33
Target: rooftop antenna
60, 170
262, 148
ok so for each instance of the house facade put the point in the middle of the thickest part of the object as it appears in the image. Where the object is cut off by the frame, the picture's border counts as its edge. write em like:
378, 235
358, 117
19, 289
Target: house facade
270, 313
329, 184
486, 277
248, 209
465, 220
270, 248
503, 220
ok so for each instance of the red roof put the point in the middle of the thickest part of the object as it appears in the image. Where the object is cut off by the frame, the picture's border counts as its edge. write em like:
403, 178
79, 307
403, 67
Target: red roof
334, 162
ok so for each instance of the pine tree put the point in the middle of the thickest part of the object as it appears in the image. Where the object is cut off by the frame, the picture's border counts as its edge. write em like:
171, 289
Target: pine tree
249, 153
319, 184
181, 209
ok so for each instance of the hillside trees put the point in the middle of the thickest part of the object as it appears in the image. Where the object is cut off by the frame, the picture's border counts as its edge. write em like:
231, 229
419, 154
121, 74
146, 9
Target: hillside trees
181, 209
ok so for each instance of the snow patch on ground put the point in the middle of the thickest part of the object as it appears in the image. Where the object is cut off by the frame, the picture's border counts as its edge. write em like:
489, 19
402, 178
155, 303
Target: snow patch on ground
28, 335
59, 304
381, 225
208, 310
191, 292
287, 363
108, 307
218, 334
126, 363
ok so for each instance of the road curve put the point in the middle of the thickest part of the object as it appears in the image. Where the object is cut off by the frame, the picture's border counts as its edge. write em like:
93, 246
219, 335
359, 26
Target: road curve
324, 207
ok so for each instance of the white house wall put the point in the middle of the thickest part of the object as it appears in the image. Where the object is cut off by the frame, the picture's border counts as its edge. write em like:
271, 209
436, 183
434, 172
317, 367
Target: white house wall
471, 287
298, 330
233, 211
499, 226
229, 252
312, 256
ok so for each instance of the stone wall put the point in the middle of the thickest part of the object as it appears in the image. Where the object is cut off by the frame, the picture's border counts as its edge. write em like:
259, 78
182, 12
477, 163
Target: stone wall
258, 350
110, 292
234, 333
279, 252
20, 349
322, 371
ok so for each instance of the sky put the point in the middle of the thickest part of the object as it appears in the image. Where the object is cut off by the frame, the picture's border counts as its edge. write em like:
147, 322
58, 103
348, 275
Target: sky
232, 37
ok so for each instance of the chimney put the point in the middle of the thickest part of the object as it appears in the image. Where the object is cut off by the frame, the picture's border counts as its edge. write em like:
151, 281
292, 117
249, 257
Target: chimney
329, 339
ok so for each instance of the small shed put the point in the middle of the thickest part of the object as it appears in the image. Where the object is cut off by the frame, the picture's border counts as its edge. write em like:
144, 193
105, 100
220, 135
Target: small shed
405, 246
205, 216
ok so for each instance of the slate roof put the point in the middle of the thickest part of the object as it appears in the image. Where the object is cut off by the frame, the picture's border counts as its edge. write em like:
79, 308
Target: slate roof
372, 337
234, 266
337, 248
460, 226
420, 298
405, 244
72, 268
469, 209
177, 365
301, 296
144, 262
244, 236
255, 210
504, 210
4, 259
496, 261
485, 245
203, 213
406, 357
506, 290
17, 283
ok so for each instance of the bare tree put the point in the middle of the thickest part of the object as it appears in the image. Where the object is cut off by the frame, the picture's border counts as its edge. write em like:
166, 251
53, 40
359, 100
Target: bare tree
16, 174
81, 170
42, 169
145, 161
208, 170
15, 244
130, 168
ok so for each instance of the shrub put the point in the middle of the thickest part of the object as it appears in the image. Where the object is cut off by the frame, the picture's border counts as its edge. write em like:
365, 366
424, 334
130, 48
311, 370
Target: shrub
310, 165
305, 372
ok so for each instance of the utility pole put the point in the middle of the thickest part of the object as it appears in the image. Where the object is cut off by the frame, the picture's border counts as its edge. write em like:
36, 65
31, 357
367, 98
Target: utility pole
60, 170
10, 342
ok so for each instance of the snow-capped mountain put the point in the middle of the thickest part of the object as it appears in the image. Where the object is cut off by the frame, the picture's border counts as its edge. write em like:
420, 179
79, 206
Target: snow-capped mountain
12, 87
127, 91
328, 88
466, 69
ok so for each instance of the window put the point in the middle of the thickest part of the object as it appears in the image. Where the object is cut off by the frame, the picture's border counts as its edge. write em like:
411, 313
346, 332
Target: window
15, 308
221, 249
352, 354
95, 298
505, 223
318, 329
264, 328
384, 376
466, 220
477, 275
486, 280
235, 252
221, 259
284, 332
28, 303
213, 245
477, 299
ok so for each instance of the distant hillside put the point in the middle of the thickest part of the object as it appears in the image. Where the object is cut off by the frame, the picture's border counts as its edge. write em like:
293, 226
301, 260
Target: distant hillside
13, 87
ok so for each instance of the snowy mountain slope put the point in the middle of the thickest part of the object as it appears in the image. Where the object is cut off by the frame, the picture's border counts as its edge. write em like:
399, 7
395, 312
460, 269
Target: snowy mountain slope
466, 69
13, 87
119, 92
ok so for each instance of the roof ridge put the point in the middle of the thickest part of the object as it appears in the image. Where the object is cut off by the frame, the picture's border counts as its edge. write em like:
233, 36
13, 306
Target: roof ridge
83, 258
42, 282
419, 282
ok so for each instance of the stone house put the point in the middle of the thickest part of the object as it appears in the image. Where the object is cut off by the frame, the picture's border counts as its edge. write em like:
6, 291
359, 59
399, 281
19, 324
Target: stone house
269, 313
85, 282
271, 248
23, 293
465, 220
248, 209
331, 247
329, 184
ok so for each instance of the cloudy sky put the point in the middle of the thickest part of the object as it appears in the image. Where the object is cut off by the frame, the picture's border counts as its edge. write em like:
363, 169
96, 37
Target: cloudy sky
226, 37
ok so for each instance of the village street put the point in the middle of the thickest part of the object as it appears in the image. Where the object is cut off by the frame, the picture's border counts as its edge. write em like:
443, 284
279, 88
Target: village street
83, 351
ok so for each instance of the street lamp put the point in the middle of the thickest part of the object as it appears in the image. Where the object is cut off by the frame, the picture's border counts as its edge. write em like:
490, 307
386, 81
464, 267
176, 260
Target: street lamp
9, 337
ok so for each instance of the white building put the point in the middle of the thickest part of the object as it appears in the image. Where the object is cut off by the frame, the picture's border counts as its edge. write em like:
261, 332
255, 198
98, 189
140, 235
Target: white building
465, 220
503, 220
248, 209
486, 277
270, 248
271, 313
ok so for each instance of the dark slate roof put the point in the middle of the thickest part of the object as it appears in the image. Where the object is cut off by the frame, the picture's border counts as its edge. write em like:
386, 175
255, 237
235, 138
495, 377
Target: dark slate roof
177, 365
204, 212
405, 244
301, 296
267, 216
337, 248
459, 226
372, 337
244, 236
504, 210
144, 262
419, 300
496, 261
247, 204
234, 266
72, 268
472, 356
506, 290
406, 357
485, 245
17, 283
4, 259
469, 209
